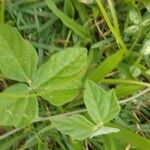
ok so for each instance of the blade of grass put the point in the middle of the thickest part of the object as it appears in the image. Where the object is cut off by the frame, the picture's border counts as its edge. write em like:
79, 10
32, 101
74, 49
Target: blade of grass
127, 90
11, 140
115, 20
82, 14
119, 81
109, 143
33, 140
131, 138
70, 23
113, 30
106, 66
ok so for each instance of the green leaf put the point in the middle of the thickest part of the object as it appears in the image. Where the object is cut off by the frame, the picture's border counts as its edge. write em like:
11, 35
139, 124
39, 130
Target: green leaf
18, 59
11, 141
135, 15
83, 15
147, 4
34, 139
146, 47
17, 108
127, 136
87, 1
76, 126
68, 8
106, 66
70, 23
122, 91
132, 29
104, 130
146, 21
59, 79
102, 106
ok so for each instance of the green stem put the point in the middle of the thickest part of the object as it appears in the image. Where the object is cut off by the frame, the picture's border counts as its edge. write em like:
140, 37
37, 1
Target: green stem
41, 119
4, 136
134, 96
105, 81
118, 81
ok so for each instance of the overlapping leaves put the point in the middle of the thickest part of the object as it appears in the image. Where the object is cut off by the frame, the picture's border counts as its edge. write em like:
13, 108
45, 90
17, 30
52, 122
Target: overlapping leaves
58, 80
102, 107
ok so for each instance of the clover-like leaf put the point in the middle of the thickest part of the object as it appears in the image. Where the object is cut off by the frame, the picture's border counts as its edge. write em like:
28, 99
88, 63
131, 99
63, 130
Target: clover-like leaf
135, 15
18, 58
102, 106
76, 126
59, 79
17, 107
87, 1
146, 47
132, 29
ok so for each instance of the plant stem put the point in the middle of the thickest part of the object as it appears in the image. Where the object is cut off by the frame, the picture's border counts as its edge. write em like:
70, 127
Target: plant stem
134, 97
9, 133
60, 115
85, 110
41, 119
105, 81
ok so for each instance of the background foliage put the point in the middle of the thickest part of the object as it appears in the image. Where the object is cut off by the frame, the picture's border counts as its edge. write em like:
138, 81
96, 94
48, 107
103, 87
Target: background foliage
116, 35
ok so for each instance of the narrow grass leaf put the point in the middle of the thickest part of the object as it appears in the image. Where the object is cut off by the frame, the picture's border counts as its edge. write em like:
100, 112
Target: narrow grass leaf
70, 23
106, 66
69, 9
127, 136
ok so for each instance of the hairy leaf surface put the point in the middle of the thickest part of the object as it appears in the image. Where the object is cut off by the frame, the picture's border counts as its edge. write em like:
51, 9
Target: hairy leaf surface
102, 106
17, 108
59, 79
18, 59
76, 126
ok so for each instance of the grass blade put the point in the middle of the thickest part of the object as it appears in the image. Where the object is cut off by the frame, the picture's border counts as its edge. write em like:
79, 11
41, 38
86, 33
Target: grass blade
70, 23
106, 66
129, 137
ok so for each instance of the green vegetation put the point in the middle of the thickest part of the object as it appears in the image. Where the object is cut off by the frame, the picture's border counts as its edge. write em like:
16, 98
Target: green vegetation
75, 74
